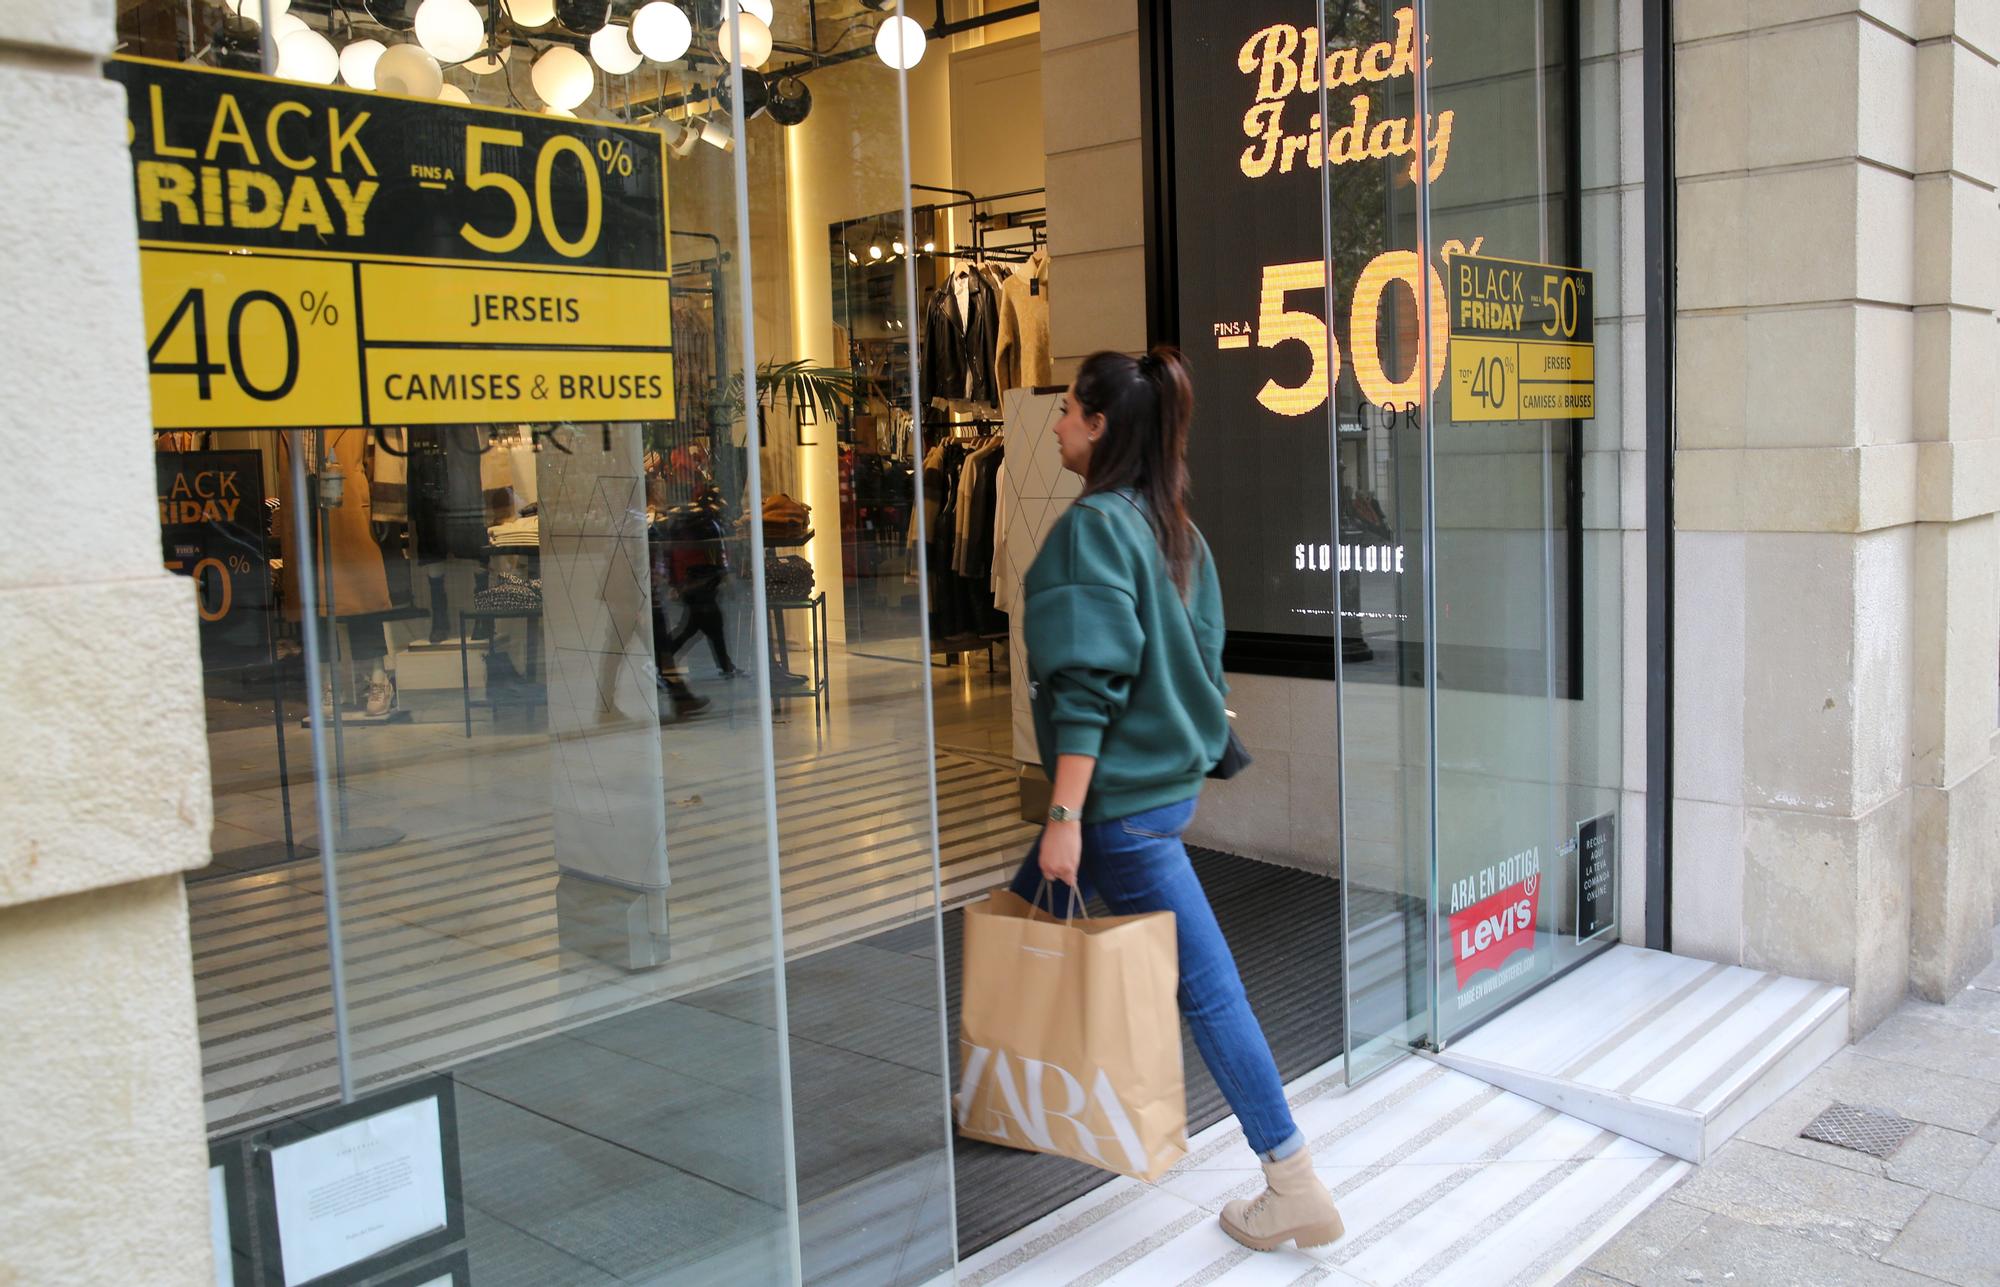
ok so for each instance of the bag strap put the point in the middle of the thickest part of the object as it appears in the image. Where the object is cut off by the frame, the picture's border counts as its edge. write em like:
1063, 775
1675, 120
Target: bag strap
1186, 608
1075, 901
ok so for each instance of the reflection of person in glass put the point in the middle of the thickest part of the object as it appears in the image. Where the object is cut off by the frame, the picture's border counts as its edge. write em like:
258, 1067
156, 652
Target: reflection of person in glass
1124, 642
698, 567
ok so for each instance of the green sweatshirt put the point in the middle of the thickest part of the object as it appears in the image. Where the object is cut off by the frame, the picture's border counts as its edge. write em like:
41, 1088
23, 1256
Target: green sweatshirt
1119, 670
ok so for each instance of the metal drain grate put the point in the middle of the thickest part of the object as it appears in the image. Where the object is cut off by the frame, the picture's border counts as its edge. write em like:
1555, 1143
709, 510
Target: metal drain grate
1864, 1130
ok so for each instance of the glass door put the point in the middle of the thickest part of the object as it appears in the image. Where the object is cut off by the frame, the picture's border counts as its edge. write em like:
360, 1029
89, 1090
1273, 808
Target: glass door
1381, 275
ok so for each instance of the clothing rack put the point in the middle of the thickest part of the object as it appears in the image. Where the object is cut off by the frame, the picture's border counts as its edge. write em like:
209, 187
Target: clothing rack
986, 220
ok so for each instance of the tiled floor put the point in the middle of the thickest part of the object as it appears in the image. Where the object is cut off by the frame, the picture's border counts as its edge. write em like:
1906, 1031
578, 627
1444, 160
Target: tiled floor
1441, 1180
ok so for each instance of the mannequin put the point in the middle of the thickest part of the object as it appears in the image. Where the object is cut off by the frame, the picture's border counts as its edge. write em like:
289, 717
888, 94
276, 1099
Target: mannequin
349, 562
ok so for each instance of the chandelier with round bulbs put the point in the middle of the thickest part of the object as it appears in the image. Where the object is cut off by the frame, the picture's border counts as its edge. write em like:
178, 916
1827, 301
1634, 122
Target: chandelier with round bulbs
563, 65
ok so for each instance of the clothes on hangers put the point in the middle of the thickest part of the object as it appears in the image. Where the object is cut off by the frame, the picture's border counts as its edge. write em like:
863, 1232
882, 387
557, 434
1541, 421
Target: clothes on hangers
961, 327
1022, 357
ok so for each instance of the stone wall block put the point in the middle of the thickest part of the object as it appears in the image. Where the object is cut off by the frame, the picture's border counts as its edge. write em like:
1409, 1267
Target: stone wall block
1099, 188
107, 1169
1701, 19
1709, 659
85, 27
1799, 880
1076, 22
1708, 880
1729, 257
76, 412
1096, 302
110, 782
1975, 23
1885, 664
1090, 95
1800, 672
1956, 380
1958, 243
1958, 97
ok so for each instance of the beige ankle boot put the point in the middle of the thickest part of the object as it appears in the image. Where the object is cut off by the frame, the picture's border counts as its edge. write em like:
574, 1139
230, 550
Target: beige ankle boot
1294, 1206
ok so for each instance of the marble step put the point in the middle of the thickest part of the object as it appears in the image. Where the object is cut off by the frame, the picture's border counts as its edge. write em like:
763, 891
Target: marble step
1671, 1051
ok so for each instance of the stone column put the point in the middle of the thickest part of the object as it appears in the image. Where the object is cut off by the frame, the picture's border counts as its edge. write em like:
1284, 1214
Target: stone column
1835, 602
106, 793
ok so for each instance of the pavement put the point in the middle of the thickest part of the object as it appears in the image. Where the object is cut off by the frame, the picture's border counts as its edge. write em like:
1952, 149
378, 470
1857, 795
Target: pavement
1772, 1209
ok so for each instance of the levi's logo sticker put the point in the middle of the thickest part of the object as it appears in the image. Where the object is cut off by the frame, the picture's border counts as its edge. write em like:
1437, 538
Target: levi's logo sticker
1485, 934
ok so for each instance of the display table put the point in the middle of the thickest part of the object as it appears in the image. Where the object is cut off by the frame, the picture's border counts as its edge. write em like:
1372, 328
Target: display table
816, 686
533, 616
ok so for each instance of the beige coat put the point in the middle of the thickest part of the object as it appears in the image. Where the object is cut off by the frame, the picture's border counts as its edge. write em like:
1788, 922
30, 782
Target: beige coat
1023, 359
353, 559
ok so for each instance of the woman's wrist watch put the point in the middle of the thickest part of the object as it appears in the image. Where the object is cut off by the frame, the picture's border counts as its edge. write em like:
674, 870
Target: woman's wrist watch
1060, 813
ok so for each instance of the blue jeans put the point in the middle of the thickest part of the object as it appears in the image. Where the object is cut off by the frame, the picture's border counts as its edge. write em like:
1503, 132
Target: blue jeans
1138, 864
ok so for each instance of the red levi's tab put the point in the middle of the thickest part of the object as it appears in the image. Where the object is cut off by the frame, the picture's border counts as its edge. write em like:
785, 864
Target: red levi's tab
1485, 934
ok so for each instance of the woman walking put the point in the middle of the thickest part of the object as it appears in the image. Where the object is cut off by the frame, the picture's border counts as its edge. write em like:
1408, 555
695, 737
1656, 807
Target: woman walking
1124, 632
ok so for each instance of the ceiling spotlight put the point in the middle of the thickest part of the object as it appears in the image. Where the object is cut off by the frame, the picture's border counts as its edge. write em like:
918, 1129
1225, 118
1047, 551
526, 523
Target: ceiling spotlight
562, 77
408, 70
756, 38
357, 63
715, 133
897, 246
790, 100
874, 250
853, 258
612, 50
451, 30
900, 43
662, 31
532, 13
308, 56
929, 246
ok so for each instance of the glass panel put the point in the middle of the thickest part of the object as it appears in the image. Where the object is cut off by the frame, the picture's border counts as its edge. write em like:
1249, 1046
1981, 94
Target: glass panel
551, 839
1529, 562
1374, 192
850, 731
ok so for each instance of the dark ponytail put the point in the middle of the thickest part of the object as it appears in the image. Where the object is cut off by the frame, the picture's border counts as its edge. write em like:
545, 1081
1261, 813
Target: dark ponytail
1147, 404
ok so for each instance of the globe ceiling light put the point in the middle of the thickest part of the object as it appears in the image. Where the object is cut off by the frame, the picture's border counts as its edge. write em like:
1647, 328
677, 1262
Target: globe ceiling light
451, 93
761, 9
451, 30
357, 62
408, 70
559, 111
308, 56
562, 77
900, 43
756, 39
285, 24
532, 13
662, 31
612, 50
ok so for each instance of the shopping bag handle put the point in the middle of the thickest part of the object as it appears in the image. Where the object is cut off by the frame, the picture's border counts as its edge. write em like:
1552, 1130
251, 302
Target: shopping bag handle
1075, 900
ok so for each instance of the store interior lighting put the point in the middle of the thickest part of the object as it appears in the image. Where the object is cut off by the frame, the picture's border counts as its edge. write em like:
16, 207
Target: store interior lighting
410, 70
662, 31
611, 49
562, 77
715, 133
532, 13
755, 35
357, 62
900, 42
451, 31
305, 55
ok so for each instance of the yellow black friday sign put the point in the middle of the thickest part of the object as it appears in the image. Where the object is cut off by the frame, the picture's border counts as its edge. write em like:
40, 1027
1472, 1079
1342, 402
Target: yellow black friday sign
323, 257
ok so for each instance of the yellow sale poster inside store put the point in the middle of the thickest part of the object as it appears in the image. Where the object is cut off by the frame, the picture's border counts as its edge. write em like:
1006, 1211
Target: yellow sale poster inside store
324, 257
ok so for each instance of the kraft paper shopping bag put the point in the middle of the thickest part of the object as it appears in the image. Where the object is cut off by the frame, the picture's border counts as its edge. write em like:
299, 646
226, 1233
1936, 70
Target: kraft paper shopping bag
1070, 1038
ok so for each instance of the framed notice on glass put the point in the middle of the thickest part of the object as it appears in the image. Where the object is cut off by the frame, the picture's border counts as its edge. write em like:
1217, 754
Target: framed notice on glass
229, 1215
360, 1189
